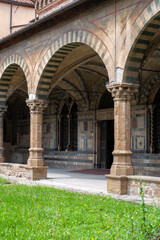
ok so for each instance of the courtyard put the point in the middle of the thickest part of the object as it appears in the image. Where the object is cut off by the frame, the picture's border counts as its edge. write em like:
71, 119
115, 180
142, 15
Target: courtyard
44, 212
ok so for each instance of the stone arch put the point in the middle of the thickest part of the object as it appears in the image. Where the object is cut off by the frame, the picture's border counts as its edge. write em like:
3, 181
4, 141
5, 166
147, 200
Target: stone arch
144, 29
15, 59
63, 46
7, 70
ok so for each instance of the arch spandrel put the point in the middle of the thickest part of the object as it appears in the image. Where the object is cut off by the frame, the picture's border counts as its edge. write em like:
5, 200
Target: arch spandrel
72, 38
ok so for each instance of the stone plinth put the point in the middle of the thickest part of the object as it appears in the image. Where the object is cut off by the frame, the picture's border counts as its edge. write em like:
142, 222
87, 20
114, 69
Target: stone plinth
36, 173
117, 184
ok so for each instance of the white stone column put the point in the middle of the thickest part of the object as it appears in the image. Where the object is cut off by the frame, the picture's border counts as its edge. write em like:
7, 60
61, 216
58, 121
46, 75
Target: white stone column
37, 108
2, 110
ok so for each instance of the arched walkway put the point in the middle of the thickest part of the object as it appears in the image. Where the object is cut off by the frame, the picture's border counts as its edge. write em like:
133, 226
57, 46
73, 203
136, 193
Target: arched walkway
16, 118
59, 51
78, 79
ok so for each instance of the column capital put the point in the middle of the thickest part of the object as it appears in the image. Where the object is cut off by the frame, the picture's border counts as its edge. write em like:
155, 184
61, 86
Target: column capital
3, 109
125, 91
37, 105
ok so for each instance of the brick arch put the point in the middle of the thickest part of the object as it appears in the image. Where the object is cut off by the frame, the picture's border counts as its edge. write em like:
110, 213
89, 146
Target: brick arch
144, 29
60, 49
7, 70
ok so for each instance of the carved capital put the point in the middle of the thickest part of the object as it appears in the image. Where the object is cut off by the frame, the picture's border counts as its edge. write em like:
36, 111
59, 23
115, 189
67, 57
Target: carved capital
123, 91
37, 105
3, 109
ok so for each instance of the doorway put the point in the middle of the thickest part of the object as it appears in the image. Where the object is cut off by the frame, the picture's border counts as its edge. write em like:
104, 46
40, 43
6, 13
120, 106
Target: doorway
106, 143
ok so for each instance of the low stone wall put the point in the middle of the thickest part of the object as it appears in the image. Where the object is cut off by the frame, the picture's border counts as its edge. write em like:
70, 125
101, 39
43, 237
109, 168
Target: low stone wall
10, 169
131, 185
150, 185
23, 171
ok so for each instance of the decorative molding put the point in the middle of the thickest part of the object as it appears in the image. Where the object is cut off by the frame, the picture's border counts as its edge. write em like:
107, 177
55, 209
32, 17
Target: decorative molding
37, 105
123, 91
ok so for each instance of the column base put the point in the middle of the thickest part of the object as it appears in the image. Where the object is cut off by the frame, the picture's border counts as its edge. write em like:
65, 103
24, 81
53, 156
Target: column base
117, 184
122, 163
35, 162
35, 157
36, 173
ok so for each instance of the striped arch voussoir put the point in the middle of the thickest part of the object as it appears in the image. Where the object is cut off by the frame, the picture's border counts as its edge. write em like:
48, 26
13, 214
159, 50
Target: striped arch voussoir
59, 50
7, 70
150, 20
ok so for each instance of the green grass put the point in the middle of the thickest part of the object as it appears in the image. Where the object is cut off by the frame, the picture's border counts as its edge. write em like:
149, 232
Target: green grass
45, 213
4, 181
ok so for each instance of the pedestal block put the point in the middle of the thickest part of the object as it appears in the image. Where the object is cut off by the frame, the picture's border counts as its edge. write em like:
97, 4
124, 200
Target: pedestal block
117, 184
36, 173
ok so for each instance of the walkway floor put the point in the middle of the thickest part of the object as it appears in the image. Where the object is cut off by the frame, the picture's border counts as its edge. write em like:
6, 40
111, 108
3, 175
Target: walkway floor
78, 182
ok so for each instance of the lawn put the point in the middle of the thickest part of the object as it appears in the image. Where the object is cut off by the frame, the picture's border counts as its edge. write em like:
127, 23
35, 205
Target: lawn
45, 213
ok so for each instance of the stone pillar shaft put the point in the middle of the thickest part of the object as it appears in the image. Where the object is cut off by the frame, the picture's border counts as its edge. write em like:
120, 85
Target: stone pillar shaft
2, 110
122, 95
36, 122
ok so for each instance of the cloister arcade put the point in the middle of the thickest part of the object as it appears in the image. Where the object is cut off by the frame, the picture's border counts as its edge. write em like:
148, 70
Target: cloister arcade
83, 94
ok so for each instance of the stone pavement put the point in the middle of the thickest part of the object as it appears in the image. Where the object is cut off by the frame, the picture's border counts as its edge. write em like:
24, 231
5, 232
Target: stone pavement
80, 183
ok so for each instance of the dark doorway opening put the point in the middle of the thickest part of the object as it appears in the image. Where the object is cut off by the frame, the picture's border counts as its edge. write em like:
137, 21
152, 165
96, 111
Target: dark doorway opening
64, 128
107, 143
74, 127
